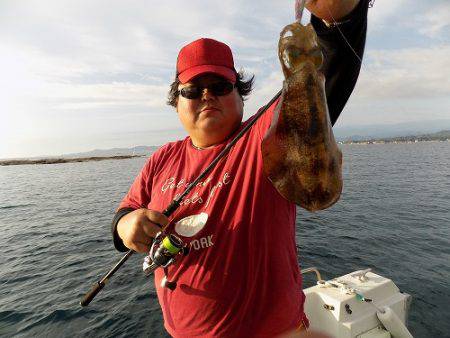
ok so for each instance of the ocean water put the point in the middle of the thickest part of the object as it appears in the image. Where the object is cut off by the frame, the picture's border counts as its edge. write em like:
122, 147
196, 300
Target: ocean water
393, 216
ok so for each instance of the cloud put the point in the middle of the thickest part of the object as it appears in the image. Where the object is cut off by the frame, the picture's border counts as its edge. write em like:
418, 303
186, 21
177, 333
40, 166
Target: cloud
78, 67
113, 36
405, 73
89, 96
401, 85
384, 11
435, 22
265, 88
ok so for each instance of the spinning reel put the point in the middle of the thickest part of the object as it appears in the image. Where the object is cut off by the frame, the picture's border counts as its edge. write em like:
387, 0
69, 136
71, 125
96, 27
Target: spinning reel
163, 252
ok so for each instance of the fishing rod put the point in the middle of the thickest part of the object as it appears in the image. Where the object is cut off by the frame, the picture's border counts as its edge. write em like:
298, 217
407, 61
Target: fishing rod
170, 246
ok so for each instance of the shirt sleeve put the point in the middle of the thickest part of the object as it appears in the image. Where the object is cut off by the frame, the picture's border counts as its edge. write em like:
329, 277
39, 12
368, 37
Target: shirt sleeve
342, 44
137, 197
118, 243
140, 191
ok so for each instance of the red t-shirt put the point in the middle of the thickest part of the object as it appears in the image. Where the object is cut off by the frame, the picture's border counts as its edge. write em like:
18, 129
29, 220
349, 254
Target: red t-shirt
241, 277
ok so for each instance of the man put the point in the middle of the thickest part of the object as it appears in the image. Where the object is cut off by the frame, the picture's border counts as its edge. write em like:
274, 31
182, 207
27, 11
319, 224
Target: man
241, 277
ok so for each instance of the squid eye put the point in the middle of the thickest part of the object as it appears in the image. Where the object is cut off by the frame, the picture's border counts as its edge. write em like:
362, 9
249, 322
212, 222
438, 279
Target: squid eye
287, 34
317, 58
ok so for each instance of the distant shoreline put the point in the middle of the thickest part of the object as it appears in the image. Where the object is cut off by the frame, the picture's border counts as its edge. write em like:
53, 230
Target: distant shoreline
390, 141
441, 136
65, 160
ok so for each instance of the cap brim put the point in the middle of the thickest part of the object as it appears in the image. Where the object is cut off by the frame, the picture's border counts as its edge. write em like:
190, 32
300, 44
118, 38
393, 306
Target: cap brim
190, 73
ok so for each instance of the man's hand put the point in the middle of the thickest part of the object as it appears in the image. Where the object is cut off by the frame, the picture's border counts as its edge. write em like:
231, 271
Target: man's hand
331, 10
138, 228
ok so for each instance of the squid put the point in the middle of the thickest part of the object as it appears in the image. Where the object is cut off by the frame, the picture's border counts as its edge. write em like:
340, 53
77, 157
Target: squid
300, 155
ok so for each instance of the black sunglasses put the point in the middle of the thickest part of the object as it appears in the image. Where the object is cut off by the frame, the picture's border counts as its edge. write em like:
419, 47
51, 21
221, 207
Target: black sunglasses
217, 89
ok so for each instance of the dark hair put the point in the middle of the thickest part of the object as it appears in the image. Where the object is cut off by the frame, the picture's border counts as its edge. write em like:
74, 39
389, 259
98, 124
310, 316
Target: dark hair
244, 88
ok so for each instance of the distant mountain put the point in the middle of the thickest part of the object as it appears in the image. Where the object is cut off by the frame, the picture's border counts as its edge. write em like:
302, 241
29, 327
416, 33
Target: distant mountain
138, 150
365, 132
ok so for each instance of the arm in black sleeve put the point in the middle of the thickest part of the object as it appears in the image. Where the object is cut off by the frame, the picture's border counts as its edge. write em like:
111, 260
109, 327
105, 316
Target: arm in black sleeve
341, 66
118, 244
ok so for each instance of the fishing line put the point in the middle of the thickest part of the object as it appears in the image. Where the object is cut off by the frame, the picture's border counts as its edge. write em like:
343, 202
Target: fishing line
373, 75
336, 24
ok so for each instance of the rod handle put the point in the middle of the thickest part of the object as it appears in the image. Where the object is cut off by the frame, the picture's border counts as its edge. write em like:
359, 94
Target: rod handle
96, 288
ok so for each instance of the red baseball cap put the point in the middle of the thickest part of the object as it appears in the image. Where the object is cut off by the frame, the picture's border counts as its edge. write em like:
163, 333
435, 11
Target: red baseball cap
205, 56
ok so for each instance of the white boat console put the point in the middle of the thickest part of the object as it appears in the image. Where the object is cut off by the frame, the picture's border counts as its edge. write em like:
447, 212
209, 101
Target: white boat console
361, 304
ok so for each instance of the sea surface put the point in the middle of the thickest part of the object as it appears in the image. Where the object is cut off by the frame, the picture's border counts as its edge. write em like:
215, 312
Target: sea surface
55, 242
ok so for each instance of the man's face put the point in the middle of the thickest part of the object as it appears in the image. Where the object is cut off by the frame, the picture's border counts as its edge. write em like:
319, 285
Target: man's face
209, 119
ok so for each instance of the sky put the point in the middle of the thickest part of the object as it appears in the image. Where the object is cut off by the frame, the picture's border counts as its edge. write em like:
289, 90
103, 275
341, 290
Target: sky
82, 75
